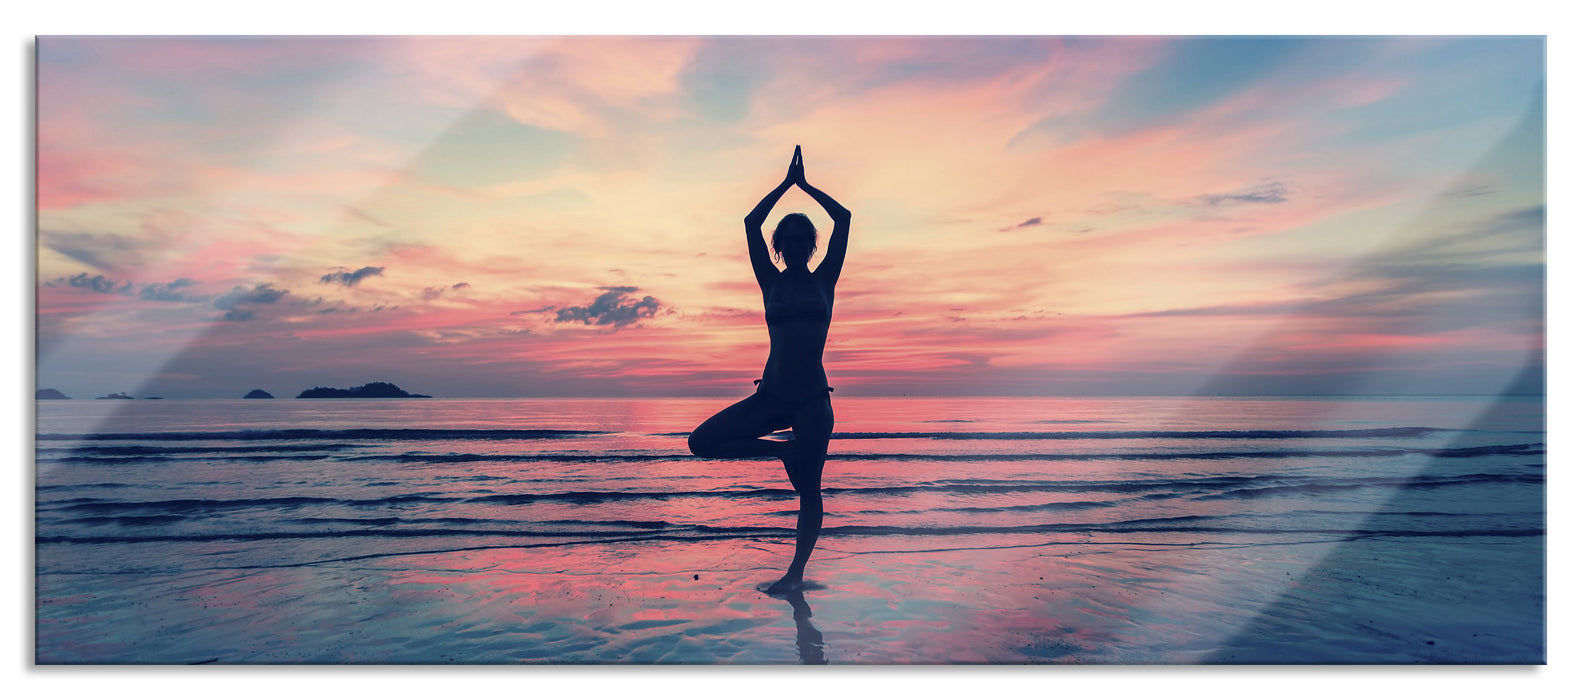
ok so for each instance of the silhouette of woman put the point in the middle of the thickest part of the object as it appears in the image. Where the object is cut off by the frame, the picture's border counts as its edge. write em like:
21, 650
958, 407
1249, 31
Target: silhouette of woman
794, 391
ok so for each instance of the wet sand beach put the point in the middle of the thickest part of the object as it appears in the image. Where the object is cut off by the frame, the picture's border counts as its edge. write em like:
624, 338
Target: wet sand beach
1374, 601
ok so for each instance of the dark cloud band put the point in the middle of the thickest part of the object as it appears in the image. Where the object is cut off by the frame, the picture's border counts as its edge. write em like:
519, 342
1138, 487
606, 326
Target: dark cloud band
612, 308
350, 279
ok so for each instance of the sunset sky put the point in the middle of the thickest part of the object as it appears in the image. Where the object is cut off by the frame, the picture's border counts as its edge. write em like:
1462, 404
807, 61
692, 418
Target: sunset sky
562, 216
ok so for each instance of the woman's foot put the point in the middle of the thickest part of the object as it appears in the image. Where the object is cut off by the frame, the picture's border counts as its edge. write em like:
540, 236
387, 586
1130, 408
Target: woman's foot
787, 584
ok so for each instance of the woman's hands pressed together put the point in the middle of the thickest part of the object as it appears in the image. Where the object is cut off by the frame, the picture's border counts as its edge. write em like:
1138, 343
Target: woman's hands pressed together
795, 175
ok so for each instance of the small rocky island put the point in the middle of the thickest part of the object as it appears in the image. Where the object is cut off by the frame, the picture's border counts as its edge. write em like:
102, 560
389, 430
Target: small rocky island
371, 390
116, 395
54, 394
258, 394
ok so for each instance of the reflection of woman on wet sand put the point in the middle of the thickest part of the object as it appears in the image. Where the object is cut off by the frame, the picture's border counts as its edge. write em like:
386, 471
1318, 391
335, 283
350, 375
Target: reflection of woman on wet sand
809, 641
794, 391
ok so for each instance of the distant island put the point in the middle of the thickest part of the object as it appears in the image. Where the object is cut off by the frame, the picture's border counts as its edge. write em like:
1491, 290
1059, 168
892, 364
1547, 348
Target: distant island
49, 394
260, 394
371, 390
116, 395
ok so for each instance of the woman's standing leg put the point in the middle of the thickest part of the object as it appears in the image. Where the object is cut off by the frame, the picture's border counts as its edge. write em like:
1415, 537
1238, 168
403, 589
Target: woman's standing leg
805, 467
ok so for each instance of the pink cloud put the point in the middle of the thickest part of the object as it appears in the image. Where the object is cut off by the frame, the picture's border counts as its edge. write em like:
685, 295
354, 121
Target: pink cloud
67, 179
573, 84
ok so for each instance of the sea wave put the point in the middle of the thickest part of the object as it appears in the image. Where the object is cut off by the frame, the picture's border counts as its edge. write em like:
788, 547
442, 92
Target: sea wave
696, 532
1200, 488
144, 453
1398, 432
388, 434
140, 450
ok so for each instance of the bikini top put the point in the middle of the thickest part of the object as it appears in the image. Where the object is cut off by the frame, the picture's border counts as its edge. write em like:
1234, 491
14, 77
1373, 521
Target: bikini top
797, 300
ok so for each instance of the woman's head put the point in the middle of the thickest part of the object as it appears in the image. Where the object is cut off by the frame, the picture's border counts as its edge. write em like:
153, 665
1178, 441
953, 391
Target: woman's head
794, 239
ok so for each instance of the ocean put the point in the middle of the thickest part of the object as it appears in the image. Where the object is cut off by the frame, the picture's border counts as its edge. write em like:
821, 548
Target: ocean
959, 530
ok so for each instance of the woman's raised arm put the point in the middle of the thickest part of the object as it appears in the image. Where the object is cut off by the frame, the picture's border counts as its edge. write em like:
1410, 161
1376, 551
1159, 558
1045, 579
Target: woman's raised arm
835, 254
757, 251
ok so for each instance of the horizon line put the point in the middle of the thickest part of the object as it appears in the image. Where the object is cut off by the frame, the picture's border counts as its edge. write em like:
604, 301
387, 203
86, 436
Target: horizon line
849, 395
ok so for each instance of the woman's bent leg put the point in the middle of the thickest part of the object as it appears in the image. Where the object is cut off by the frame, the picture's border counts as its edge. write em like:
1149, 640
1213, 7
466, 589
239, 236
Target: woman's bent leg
734, 433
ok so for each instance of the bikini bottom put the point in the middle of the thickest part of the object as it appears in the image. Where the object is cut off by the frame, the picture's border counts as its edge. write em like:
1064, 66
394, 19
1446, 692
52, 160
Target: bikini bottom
783, 408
